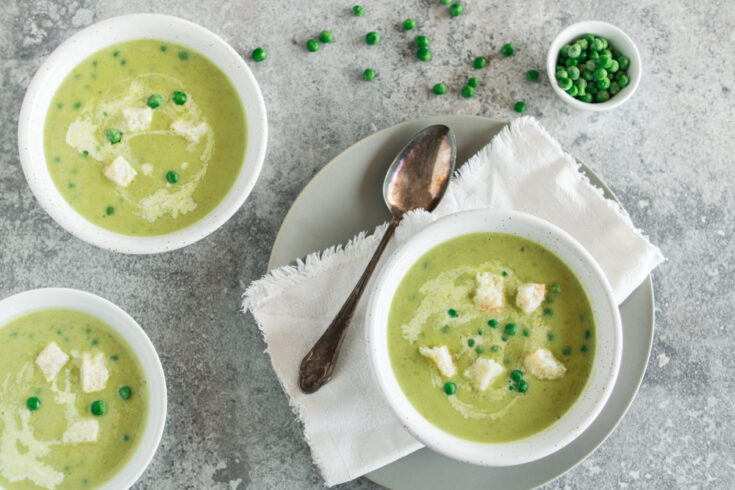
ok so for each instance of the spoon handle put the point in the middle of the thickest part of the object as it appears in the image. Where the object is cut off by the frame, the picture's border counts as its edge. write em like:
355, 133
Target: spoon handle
317, 366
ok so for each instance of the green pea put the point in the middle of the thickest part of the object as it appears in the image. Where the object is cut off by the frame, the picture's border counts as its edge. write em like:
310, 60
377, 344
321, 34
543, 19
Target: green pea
98, 407
183, 55
573, 91
372, 38
555, 287
583, 348
452, 313
507, 49
602, 96
623, 62
592, 88
439, 89
494, 348
479, 63
511, 329
409, 24
597, 45
550, 336
450, 388
604, 42
467, 91
480, 332
564, 83
532, 75
622, 80
326, 36
259, 54
113, 135
571, 62
587, 334
574, 51
583, 44
564, 51
587, 76
33, 403
472, 82
124, 392
109, 210
520, 107
154, 100
522, 387
423, 54
421, 41
179, 97
594, 56
548, 312
526, 332
603, 84
573, 72
358, 10
492, 323
456, 9
480, 350
561, 73
590, 65
600, 73
445, 2
567, 351
368, 75
312, 45
445, 329
614, 67
588, 37
605, 61
172, 177
471, 342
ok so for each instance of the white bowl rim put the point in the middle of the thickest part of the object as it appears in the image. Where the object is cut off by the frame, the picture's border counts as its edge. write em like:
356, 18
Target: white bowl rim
598, 28
575, 420
114, 31
27, 302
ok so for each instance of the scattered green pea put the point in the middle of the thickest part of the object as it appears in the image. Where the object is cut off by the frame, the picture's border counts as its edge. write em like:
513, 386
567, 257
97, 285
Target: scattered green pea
508, 49
467, 91
472, 82
109, 210
312, 45
511, 329
179, 97
480, 350
172, 177
409, 24
526, 332
326, 36
439, 89
520, 107
492, 323
494, 348
456, 9
548, 312
124, 392
583, 348
532, 75
259, 54
471, 342
423, 54
555, 287
113, 135
421, 41
154, 101
368, 75
452, 313
516, 375
33, 403
479, 63
522, 387
445, 329
567, 351
358, 10
372, 38
450, 388
550, 336
183, 55
98, 407
587, 334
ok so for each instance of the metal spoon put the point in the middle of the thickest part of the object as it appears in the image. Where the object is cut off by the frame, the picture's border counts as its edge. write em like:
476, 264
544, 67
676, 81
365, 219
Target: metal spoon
417, 178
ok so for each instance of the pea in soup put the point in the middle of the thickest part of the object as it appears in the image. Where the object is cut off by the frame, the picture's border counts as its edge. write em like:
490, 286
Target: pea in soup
145, 137
73, 402
491, 337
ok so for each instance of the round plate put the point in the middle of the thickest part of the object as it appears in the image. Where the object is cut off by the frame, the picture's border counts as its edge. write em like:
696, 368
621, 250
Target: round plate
344, 198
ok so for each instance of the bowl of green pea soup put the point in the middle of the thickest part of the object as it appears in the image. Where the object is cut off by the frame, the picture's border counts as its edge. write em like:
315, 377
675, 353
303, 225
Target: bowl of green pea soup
142, 133
494, 336
82, 393
593, 66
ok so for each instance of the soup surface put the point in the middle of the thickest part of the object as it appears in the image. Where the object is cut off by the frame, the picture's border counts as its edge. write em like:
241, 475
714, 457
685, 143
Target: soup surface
145, 137
55, 434
491, 337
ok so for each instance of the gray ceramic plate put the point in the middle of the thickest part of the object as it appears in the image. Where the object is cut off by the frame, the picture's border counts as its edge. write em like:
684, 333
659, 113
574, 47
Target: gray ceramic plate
345, 198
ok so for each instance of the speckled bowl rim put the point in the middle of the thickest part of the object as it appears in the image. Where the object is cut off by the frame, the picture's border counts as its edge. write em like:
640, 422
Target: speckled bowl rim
608, 345
27, 302
620, 40
99, 36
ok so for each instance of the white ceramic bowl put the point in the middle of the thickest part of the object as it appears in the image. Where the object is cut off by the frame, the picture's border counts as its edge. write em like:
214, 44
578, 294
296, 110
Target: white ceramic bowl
618, 39
608, 345
87, 42
40, 299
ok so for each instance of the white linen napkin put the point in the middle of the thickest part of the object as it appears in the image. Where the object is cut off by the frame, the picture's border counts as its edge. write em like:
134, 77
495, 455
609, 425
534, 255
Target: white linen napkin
350, 428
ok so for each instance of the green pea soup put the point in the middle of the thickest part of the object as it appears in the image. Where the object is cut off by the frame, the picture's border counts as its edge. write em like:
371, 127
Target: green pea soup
33, 452
126, 101
434, 306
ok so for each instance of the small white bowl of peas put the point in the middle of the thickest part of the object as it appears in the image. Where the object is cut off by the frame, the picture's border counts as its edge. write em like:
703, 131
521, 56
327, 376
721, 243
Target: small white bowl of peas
593, 66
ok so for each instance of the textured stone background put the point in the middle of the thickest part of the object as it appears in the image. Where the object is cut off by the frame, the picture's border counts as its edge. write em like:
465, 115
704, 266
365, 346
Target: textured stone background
666, 153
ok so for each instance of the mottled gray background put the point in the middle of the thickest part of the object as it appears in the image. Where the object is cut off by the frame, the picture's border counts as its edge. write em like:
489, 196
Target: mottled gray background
666, 153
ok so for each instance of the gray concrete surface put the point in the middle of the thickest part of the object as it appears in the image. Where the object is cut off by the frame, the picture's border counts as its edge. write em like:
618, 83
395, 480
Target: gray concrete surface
666, 153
